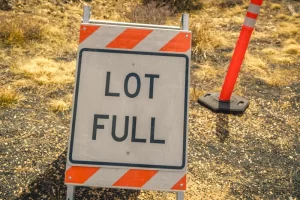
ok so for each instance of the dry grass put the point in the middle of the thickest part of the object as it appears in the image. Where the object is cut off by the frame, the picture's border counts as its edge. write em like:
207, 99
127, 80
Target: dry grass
20, 29
23, 83
287, 29
281, 77
292, 49
46, 71
8, 96
59, 105
275, 6
254, 65
284, 17
205, 40
291, 41
235, 11
270, 51
286, 55
281, 59
206, 72
27, 40
195, 94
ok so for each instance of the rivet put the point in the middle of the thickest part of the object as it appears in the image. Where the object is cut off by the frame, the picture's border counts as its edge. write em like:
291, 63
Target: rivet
181, 185
133, 63
70, 177
186, 35
84, 28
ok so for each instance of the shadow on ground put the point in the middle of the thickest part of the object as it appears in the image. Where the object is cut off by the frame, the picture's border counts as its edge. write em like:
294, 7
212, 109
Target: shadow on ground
222, 127
296, 172
50, 185
296, 182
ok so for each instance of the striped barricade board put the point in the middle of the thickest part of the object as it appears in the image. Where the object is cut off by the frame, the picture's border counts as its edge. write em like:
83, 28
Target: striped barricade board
130, 107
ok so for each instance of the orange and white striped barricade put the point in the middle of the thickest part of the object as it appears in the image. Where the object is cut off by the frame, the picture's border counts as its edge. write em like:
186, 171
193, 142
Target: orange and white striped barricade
226, 101
130, 108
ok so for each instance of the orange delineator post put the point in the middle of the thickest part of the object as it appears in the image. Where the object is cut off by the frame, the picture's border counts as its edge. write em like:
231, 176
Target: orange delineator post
239, 54
236, 63
226, 101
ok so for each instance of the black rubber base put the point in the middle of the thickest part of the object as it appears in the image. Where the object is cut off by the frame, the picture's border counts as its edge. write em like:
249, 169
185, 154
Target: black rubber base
236, 104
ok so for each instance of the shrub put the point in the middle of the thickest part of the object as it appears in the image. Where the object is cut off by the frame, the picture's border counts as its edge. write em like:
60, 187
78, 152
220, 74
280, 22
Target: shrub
178, 5
229, 3
149, 14
5, 5
8, 96
19, 29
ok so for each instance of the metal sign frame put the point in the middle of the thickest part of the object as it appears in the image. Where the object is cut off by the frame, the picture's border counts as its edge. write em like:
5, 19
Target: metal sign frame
184, 26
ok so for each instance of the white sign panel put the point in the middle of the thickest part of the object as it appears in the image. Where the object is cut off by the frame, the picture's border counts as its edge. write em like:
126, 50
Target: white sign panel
130, 110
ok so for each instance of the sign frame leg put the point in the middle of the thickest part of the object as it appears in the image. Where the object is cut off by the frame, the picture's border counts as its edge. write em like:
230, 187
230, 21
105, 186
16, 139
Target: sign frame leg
184, 26
70, 192
180, 196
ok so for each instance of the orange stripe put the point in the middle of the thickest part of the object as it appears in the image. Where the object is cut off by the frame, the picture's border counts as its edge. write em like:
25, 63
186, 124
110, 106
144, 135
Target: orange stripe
129, 38
180, 43
135, 178
257, 2
181, 184
251, 15
86, 31
78, 174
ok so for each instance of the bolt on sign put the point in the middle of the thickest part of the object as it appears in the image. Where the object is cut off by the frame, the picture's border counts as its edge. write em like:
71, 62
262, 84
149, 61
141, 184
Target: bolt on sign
130, 107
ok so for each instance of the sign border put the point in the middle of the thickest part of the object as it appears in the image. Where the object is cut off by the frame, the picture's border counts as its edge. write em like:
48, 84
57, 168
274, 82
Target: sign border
114, 164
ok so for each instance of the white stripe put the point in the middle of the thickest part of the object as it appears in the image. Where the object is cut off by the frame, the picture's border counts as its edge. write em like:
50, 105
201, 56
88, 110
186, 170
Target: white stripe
102, 37
254, 8
164, 179
155, 40
249, 22
105, 177
68, 166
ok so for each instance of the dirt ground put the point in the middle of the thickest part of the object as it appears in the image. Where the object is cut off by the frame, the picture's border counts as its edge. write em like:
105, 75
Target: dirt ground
255, 155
